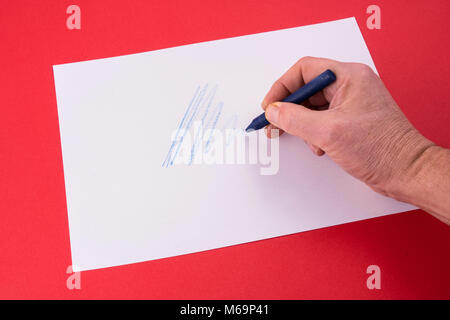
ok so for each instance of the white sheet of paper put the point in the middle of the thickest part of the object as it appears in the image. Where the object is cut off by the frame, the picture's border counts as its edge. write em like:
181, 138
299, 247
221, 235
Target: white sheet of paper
117, 116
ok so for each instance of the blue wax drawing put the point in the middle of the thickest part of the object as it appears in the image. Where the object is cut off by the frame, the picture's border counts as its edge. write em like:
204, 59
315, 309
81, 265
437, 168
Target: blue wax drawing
167, 161
203, 109
198, 137
189, 123
212, 123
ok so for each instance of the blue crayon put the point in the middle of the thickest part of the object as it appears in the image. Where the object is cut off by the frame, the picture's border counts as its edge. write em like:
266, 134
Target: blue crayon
302, 94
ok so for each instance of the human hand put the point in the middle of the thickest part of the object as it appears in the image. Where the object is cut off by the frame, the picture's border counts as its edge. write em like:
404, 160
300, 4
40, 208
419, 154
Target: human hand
362, 128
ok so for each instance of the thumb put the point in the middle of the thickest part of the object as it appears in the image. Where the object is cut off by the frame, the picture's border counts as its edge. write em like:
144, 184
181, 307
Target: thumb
297, 120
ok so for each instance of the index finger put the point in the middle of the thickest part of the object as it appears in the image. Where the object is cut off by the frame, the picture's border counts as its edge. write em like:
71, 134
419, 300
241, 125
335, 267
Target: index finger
303, 71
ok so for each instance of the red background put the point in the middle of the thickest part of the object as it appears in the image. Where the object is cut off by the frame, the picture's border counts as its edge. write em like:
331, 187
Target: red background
412, 249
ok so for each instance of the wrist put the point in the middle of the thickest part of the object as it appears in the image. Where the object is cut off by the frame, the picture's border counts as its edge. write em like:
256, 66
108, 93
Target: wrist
414, 159
415, 183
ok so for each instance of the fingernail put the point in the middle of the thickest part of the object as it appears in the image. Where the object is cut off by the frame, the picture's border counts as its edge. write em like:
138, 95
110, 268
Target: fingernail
272, 113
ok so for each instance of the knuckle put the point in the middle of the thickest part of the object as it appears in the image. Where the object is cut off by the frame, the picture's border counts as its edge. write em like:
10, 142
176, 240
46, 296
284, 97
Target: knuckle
277, 84
364, 70
284, 119
277, 87
304, 60
334, 132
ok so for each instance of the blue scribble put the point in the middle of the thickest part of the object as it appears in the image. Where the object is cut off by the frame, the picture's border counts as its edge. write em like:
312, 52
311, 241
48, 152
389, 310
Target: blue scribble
199, 108
175, 140
189, 124
212, 126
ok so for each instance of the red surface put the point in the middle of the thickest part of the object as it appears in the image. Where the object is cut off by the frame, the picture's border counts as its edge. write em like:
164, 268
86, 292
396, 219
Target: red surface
412, 249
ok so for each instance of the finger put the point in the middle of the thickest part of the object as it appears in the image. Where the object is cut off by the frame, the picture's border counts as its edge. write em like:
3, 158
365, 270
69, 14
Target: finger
276, 93
315, 149
298, 120
311, 106
304, 71
318, 99
280, 92
273, 131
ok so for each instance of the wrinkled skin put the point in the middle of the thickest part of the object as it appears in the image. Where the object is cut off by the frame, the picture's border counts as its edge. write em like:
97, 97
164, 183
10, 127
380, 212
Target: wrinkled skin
357, 123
